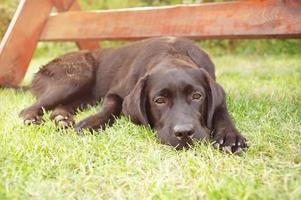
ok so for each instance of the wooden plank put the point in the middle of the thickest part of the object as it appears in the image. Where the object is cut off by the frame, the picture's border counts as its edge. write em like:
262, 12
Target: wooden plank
72, 5
20, 40
63, 5
243, 19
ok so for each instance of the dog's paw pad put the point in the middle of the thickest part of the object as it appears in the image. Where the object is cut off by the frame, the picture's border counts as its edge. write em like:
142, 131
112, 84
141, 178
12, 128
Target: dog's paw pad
59, 118
218, 143
230, 143
227, 149
63, 121
33, 121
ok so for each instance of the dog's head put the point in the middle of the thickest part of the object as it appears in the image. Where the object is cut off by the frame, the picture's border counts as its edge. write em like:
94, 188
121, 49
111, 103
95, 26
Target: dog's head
178, 102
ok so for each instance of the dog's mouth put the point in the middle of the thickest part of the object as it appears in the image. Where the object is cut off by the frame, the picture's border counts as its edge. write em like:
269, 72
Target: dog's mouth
184, 144
187, 139
187, 142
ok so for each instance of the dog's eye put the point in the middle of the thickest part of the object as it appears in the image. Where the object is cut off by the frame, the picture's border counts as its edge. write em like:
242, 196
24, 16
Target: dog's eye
160, 100
197, 96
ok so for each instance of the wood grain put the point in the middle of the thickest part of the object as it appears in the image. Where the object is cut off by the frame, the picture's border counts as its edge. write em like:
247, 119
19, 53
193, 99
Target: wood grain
20, 40
243, 19
238, 19
73, 5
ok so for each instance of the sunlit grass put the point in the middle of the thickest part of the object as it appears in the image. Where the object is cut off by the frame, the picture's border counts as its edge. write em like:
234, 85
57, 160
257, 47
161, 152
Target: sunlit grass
126, 161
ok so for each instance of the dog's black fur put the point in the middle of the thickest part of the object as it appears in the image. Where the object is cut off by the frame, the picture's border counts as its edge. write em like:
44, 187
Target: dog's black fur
165, 83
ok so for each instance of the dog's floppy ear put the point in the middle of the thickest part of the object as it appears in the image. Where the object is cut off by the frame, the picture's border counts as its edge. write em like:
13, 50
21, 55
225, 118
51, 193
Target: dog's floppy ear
215, 98
215, 93
134, 105
201, 59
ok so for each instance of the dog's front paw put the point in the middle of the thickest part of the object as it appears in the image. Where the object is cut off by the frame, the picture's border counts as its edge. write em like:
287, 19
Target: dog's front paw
229, 141
31, 118
90, 123
62, 119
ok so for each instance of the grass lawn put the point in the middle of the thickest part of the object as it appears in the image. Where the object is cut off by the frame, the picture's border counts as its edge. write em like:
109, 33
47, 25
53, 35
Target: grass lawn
127, 162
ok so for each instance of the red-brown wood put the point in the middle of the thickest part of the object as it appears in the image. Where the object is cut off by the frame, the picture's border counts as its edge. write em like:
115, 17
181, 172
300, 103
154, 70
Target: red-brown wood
72, 5
244, 19
63, 5
20, 40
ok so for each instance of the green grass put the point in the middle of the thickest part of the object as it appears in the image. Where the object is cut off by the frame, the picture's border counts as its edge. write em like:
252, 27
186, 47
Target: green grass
127, 162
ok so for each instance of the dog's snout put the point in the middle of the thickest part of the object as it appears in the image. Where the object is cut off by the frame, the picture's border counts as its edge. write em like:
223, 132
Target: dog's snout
183, 130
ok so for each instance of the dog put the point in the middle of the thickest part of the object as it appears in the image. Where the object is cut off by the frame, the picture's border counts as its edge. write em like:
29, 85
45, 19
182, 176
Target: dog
167, 84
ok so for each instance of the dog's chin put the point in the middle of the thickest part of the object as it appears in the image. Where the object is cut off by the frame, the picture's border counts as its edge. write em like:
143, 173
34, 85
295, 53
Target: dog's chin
182, 143
179, 144
186, 144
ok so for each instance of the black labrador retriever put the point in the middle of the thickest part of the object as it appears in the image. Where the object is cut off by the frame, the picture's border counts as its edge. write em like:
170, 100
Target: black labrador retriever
165, 83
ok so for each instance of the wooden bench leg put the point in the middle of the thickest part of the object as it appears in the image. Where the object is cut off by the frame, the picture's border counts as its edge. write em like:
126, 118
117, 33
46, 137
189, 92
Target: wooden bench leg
72, 5
23, 34
21, 38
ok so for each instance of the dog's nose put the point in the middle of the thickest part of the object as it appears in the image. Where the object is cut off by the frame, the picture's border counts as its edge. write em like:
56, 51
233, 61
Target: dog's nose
183, 130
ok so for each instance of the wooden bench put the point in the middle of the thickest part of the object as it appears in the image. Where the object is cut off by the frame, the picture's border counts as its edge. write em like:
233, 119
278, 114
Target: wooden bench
34, 22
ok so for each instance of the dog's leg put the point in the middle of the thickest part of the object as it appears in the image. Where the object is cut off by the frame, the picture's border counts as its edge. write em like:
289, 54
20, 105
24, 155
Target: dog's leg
49, 99
225, 135
62, 115
111, 108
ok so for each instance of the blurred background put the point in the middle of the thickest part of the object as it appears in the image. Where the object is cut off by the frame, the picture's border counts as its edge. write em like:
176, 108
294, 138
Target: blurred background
216, 47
